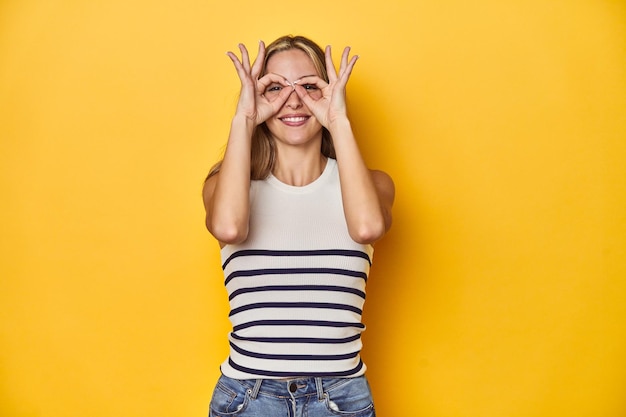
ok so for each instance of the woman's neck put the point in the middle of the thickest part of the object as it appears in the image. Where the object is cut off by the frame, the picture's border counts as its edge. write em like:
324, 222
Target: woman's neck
298, 168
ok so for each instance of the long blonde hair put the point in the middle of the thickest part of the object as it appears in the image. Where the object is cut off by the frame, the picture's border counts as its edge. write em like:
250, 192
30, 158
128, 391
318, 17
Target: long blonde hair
263, 149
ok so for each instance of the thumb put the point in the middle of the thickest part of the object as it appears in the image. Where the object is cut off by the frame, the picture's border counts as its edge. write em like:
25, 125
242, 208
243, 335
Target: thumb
318, 109
304, 96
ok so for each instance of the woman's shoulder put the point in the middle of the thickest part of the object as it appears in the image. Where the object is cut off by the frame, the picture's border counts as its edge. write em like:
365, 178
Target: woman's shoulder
384, 185
381, 177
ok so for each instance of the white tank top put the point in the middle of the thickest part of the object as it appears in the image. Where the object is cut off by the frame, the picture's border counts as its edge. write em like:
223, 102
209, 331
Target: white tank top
296, 286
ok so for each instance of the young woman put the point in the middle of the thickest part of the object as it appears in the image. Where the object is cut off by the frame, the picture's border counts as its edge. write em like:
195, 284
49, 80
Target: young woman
296, 212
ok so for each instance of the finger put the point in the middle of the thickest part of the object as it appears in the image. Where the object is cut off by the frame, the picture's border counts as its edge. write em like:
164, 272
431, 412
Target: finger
245, 58
304, 96
345, 73
238, 65
330, 66
344, 60
282, 98
312, 80
258, 62
268, 79
234, 58
274, 105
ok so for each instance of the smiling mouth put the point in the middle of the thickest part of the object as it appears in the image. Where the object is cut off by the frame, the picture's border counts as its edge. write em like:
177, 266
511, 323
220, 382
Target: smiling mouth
295, 119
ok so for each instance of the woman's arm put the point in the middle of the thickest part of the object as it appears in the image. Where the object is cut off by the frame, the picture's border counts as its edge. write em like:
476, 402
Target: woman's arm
367, 195
226, 194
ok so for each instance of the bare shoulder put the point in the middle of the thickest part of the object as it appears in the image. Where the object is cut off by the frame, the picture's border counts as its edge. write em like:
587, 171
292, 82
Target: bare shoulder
384, 183
209, 188
386, 191
381, 176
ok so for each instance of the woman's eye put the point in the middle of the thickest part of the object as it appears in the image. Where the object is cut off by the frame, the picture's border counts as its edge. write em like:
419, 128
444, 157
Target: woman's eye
274, 88
310, 87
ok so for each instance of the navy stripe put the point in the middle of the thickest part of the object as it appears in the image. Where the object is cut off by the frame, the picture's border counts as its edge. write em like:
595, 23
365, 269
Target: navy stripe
286, 357
295, 271
313, 323
321, 252
331, 306
335, 288
297, 339
262, 372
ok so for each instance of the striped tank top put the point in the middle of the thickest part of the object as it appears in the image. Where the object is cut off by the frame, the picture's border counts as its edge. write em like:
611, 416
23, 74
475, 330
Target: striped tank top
296, 286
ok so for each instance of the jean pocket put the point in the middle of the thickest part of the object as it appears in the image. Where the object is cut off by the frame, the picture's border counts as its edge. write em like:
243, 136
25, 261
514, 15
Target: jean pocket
351, 398
227, 402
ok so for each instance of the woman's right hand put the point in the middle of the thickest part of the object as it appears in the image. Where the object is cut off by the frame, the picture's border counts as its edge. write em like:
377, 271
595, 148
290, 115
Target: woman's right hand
253, 103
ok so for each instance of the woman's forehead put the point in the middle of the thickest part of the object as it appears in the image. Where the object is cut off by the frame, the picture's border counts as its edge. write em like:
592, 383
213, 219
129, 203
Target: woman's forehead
292, 60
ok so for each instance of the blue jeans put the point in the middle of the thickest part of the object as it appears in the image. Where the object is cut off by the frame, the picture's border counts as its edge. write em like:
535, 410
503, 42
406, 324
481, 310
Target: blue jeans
302, 397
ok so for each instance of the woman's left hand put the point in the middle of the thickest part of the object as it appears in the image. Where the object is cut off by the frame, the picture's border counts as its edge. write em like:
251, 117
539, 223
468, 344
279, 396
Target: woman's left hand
331, 106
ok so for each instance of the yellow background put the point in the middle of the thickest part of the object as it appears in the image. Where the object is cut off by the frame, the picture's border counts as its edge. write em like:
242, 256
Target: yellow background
500, 291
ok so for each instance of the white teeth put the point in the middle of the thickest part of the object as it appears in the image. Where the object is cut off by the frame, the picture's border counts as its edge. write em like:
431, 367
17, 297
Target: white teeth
294, 119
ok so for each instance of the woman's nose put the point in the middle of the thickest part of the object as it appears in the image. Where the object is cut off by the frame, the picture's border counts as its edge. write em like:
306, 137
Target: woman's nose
293, 101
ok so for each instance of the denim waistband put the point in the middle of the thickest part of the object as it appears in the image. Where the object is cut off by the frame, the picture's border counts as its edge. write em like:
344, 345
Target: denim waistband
293, 387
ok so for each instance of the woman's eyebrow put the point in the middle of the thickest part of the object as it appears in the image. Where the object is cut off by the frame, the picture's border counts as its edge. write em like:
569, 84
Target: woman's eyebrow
300, 77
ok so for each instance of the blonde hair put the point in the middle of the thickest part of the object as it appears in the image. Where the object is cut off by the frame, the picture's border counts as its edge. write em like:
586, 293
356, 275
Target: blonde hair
263, 150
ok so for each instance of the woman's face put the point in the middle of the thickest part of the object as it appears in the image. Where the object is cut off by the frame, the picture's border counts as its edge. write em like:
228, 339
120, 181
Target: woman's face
294, 124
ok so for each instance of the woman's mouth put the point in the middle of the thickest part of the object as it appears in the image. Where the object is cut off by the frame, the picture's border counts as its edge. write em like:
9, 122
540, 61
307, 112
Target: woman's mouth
294, 120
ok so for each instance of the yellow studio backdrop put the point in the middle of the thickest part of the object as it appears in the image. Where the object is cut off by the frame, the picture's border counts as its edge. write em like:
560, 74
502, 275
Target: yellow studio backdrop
500, 290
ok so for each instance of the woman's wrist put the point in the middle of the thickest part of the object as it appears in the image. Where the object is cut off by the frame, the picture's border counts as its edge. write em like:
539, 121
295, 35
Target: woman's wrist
339, 125
240, 120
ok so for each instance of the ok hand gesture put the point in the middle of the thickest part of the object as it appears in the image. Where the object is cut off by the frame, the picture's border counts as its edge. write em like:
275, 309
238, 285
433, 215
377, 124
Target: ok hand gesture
332, 104
252, 103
